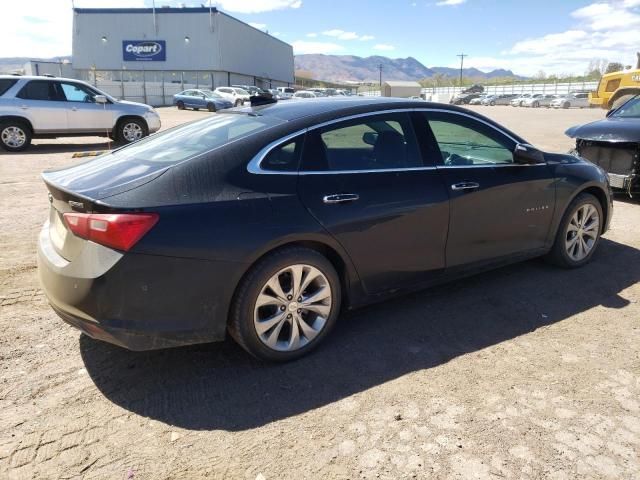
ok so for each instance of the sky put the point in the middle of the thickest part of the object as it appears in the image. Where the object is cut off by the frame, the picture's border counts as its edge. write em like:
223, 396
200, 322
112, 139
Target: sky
553, 36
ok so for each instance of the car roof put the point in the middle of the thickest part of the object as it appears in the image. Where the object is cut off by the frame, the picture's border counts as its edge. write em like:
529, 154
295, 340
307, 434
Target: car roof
40, 77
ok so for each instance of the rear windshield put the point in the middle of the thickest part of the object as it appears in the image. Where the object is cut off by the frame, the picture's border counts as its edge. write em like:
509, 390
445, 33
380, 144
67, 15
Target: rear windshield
187, 141
6, 84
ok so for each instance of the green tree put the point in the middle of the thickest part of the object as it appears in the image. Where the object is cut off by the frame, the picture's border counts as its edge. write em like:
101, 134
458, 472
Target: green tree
614, 67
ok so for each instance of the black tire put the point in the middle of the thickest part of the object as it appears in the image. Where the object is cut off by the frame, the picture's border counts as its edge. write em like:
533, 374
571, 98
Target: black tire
241, 320
566, 105
558, 254
536, 104
238, 103
195, 109
493, 104
124, 124
621, 100
180, 105
211, 107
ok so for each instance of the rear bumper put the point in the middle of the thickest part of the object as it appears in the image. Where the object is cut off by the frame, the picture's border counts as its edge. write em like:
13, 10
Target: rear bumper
137, 301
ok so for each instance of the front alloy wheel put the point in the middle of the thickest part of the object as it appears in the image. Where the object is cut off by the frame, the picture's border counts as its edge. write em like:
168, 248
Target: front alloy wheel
582, 232
132, 131
578, 234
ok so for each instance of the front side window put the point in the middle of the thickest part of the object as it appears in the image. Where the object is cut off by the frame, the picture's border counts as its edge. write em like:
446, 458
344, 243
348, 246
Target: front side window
465, 141
631, 109
39, 90
77, 93
374, 142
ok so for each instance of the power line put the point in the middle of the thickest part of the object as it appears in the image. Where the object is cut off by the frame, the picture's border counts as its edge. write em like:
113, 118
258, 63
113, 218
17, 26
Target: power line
462, 55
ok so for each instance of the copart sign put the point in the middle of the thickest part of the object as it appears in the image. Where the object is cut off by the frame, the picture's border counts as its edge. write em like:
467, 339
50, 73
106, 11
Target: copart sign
144, 51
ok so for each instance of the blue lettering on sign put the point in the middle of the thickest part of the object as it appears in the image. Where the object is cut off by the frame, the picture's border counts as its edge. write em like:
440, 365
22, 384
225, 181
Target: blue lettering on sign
144, 51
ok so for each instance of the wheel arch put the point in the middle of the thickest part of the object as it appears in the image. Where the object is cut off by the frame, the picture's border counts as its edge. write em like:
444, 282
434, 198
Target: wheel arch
128, 116
347, 275
17, 118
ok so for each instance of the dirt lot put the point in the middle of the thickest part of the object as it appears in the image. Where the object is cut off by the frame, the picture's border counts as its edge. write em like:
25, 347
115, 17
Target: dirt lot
526, 372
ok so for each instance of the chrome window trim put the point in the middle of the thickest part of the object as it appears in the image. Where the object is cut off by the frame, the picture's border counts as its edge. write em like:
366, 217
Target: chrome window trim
254, 164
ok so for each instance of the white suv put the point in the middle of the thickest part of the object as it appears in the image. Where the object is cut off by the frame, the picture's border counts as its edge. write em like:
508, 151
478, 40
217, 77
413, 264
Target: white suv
237, 95
46, 107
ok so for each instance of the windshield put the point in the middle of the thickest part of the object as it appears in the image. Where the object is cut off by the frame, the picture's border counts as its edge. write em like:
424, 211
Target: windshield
631, 109
189, 140
242, 91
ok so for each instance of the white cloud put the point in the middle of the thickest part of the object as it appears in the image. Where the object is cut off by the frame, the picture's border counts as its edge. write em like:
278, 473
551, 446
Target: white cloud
605, 29
312, 35
302, 46
259, 26
342, 35
42, 28
256, 6
448, 3
384, 47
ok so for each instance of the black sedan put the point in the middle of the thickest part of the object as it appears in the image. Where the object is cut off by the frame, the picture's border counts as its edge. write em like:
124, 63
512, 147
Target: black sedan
266, 222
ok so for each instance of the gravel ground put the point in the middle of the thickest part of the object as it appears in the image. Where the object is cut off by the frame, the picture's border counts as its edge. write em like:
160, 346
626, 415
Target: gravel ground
525, 372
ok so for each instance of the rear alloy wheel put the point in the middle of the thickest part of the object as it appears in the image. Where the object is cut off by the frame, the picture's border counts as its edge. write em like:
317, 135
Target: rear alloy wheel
211, 107
286, 305
493, 104
180, 105
131, 130
579, 232
14, 136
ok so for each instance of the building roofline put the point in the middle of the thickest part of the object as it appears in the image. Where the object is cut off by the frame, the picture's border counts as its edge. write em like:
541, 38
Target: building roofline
147, 10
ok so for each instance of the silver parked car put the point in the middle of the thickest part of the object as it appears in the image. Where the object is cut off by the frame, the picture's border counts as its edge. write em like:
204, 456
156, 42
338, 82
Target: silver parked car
580, 100
47, 107
502, 99
539, 100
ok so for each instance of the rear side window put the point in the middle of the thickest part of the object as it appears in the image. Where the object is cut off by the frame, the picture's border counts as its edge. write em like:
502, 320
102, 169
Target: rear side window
374, 142
6, 84
39, 90
284, 158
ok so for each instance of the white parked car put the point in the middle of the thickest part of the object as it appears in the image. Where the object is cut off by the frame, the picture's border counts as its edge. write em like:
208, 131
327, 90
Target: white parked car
517, 102
580, 100
304, 94
538, 100
236, 95
50, 107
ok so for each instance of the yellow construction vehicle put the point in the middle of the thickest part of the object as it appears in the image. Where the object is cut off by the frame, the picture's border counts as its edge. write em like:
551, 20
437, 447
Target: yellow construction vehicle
616, 88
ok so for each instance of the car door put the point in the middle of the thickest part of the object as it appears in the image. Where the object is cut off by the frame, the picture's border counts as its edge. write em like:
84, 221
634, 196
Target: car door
83, 113
498, 208
42, 103
365, 182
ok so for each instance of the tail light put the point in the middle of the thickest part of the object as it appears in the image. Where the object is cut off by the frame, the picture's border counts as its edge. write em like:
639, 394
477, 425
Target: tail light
118, 230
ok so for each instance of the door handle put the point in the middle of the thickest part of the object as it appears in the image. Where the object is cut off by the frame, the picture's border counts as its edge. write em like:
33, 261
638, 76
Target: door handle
24, 107
340, 198
465, 186
75, 109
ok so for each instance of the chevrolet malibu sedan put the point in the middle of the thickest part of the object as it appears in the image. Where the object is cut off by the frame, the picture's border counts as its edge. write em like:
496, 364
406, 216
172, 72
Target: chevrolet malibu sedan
267, 222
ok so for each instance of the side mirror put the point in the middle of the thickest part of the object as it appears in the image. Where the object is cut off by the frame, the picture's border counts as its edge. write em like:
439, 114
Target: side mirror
370, 138
527, 155
100, 99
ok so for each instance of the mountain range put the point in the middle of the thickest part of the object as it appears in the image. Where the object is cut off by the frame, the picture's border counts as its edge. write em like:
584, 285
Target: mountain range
340, 68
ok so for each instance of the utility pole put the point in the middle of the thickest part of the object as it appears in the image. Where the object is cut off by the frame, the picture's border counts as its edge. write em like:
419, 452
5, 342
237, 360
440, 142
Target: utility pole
462, 55
380, 69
